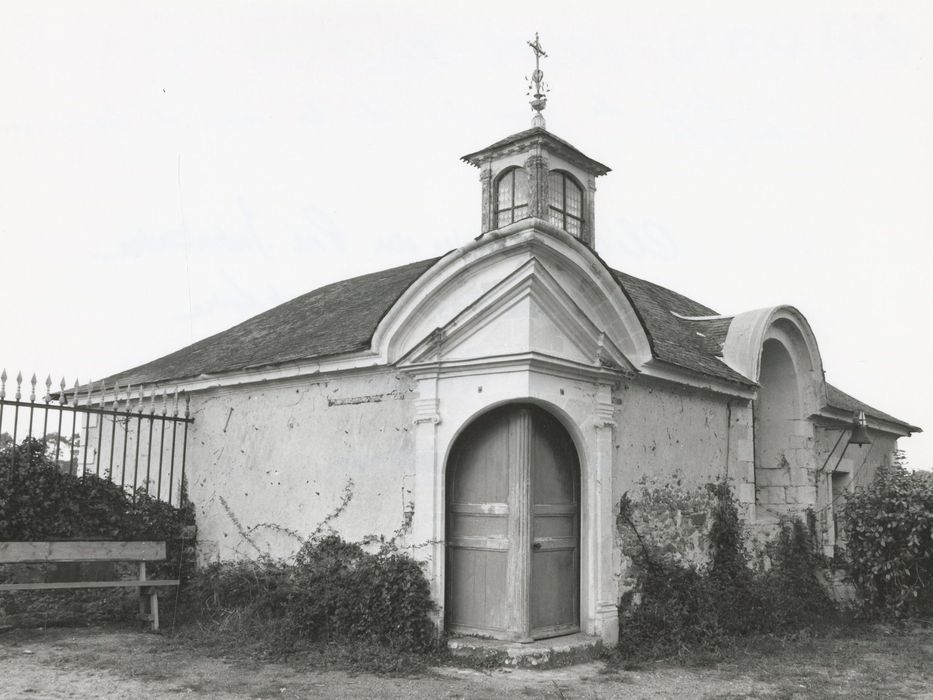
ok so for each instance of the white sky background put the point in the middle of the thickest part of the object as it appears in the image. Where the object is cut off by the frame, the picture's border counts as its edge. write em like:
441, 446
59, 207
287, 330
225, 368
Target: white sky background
763, 153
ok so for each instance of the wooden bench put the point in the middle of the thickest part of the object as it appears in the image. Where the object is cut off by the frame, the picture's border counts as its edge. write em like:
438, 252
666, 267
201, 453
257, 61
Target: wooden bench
54, 552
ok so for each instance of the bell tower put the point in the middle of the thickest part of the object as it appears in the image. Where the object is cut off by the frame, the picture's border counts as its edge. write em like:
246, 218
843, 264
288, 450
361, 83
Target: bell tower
536, 175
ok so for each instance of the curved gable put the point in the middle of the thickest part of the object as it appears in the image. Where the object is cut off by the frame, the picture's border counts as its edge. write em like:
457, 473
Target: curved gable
460, 279
745, 341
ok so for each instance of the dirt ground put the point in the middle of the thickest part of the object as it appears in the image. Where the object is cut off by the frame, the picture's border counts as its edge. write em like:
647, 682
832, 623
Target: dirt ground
98, 663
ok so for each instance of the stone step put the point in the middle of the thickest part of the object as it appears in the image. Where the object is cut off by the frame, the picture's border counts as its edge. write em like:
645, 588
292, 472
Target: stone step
542, 653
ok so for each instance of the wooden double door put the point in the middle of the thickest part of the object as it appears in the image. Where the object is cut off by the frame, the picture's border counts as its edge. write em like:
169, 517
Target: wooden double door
513, 527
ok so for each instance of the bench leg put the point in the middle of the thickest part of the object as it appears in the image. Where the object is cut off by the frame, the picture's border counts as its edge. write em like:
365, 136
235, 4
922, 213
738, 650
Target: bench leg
154, 609
142, 595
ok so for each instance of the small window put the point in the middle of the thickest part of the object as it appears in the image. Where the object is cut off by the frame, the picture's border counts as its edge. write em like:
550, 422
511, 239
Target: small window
512, 197
565, 203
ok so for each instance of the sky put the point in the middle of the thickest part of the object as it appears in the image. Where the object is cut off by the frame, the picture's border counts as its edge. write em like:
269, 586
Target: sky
170, 169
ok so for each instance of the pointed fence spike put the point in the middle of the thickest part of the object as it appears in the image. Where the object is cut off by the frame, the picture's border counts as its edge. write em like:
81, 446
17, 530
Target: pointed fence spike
175, 403
19, 385
187, 405
32, 391
3, 384
48, 388
164, 404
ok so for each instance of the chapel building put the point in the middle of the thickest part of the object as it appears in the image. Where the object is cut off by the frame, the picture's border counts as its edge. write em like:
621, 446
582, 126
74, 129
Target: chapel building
489, 407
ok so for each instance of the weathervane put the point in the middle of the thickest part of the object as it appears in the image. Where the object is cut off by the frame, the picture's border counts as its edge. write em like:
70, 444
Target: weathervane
537, 82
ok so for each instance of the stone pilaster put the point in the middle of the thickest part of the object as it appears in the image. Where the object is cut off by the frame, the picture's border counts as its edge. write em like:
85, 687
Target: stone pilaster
537, 167
589, 213
741, 464
426, 538
602, 540
520, 522
488, 214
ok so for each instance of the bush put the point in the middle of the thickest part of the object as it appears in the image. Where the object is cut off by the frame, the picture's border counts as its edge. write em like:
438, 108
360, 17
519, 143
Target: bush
677, 607
889, 542
39, 502
795, 597
333, 592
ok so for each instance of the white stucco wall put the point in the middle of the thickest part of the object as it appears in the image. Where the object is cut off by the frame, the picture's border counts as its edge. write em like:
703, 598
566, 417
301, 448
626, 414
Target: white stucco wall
266, 459
667, 431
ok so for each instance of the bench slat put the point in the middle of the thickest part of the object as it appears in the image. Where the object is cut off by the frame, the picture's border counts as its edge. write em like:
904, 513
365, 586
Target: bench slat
126, 583
35, 552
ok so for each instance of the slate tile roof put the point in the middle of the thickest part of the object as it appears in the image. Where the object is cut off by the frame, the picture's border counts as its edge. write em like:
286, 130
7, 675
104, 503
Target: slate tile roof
537, 131
675, 340
330, 320
836, 398
342, 317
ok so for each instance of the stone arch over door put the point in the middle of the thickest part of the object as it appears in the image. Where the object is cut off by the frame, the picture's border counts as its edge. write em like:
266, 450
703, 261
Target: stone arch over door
513, 527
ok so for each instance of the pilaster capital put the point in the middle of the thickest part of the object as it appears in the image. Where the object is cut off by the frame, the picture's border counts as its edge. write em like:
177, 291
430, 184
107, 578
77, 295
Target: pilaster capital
605, 415
427, 411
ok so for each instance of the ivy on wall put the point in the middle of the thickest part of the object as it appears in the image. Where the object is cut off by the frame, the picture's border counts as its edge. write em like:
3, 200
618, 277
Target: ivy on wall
693, 585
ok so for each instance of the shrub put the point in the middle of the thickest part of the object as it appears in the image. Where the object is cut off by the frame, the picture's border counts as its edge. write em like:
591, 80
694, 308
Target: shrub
795, 597
333, 592
677, 607
889, 541
734, 592
674, 613
40, 502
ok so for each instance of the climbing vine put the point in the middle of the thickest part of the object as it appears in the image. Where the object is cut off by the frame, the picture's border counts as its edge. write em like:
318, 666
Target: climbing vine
678, 604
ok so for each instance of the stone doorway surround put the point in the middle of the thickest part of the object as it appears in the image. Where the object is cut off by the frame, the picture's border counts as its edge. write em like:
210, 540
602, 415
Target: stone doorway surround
451, 399
526, 314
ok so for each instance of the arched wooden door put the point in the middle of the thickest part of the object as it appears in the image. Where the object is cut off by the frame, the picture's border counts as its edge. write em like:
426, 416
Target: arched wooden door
513, 534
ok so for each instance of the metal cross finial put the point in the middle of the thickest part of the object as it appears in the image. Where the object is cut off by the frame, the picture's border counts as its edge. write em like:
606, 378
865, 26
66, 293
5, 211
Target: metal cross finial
537, 48
537, 81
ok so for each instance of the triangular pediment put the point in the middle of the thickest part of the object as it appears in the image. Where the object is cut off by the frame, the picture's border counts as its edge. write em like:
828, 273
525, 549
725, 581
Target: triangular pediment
527, 312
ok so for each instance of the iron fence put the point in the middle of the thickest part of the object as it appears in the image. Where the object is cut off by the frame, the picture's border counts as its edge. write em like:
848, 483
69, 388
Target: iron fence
132, 437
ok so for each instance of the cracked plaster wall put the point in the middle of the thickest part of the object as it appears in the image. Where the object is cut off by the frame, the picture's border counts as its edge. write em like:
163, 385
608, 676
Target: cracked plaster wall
666, 432
674, 440
274, 460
